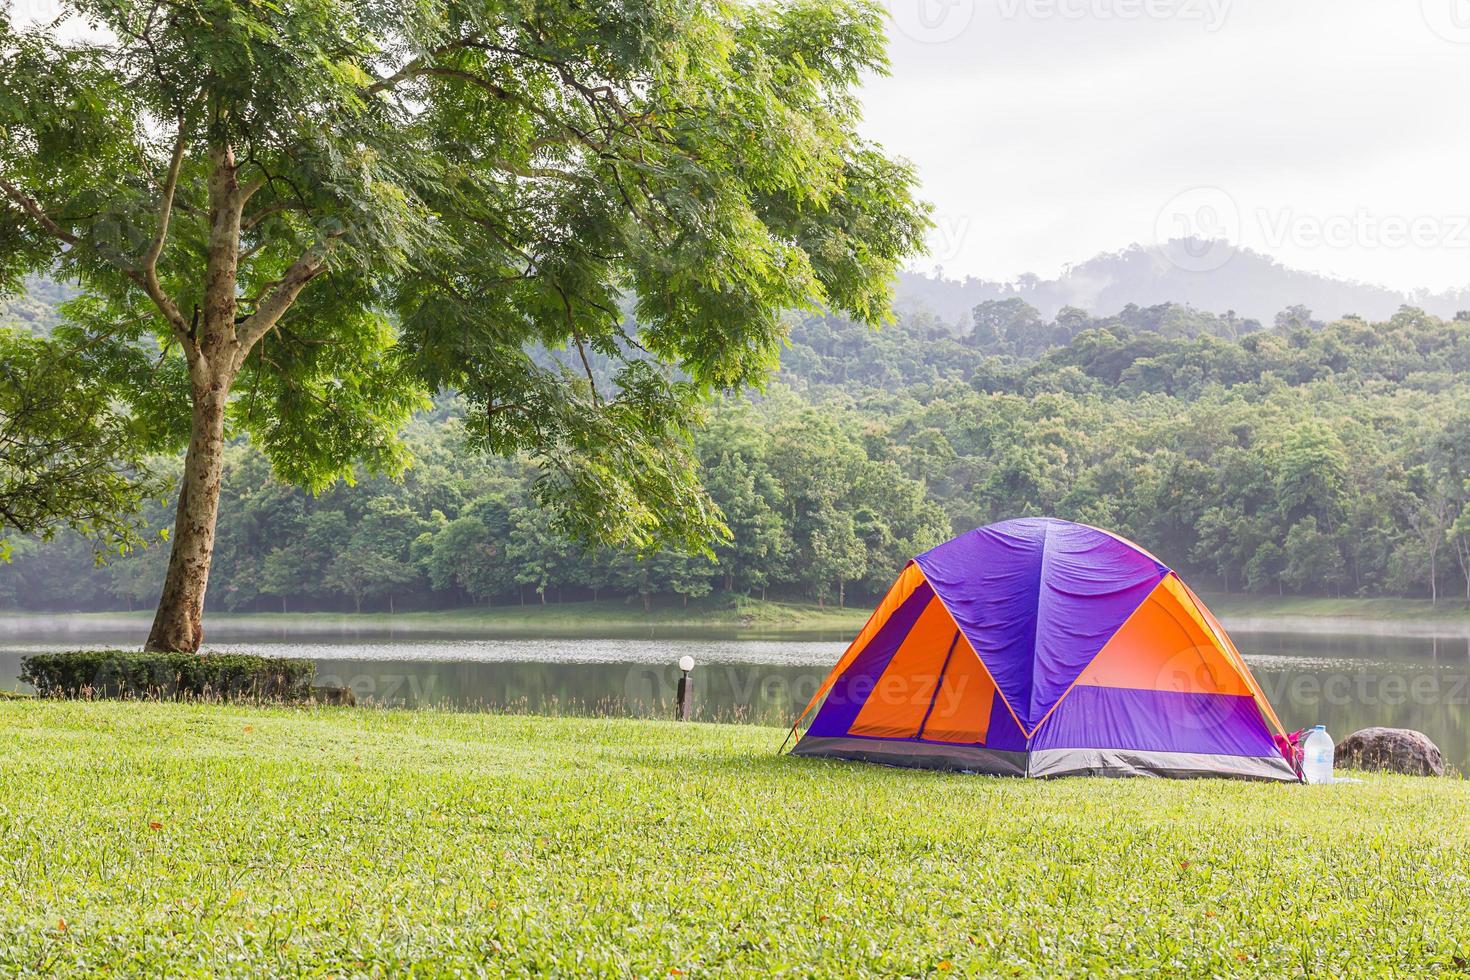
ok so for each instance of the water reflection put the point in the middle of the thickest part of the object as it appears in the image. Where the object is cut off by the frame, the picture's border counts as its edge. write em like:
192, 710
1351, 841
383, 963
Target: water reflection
1344, 682
1352, 682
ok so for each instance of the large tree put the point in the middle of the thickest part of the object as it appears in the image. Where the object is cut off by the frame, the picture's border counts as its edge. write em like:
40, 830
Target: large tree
291, 220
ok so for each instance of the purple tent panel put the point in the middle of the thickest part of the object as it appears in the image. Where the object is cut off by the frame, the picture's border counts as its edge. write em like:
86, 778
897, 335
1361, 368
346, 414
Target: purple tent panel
1157, 721
850, 692
1038, 598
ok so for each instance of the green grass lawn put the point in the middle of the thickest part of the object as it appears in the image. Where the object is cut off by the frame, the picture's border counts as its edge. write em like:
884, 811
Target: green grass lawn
1449, 610
148, 838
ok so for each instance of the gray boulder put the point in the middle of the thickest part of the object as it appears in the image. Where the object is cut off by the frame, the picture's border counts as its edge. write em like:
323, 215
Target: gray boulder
1390, 750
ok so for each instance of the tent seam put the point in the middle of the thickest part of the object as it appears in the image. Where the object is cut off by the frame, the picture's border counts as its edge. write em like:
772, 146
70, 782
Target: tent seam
1058, 702
983, 665
1036, 624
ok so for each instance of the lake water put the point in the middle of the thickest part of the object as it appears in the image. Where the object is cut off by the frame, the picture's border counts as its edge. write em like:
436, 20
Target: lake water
1346, 682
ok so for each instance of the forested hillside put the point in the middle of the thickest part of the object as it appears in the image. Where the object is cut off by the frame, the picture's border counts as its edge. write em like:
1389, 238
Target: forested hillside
1294, 457
36, 310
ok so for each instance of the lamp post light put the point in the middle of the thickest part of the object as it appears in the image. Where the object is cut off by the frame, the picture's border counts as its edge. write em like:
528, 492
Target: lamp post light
686, 664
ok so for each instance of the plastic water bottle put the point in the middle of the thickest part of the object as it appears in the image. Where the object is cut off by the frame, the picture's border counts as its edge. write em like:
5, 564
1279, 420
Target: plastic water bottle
1317, 752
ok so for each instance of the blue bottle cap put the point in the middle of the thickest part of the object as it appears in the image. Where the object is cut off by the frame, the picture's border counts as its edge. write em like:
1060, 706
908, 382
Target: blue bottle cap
1319, 728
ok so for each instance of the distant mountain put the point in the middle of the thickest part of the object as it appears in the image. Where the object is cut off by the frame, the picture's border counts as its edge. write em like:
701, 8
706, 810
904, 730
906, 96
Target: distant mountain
1255, 286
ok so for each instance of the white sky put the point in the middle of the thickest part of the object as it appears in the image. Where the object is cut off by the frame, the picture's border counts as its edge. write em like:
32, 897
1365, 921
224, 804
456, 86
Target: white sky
1333, 135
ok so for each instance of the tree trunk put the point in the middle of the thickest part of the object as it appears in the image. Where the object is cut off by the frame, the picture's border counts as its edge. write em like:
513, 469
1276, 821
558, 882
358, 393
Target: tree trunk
390, 604
1463, 557
178, 624
215, 354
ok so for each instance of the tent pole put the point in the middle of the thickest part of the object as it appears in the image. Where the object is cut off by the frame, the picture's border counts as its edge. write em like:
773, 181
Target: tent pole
788, 737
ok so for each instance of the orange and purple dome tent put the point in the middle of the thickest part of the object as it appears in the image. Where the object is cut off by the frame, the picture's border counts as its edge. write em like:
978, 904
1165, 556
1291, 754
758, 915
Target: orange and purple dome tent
1039, 647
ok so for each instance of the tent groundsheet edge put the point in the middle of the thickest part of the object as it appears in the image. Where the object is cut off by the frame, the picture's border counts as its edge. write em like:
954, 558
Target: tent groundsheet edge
1046, 763
914, 754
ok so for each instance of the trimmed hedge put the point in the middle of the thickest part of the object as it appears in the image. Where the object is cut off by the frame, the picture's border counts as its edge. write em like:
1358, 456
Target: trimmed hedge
125, 673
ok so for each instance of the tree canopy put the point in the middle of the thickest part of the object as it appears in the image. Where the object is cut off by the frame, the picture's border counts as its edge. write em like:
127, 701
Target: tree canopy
67, 458
296, 220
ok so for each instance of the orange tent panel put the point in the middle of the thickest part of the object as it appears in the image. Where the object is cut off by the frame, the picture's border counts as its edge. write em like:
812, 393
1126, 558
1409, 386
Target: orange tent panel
908, 580
1187, 594
961, 710
1165, 646
903, 692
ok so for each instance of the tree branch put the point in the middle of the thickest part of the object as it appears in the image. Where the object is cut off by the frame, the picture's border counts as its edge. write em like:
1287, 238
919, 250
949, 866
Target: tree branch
29, 206
155, 291
149, 273
566, 302
247, 191
306, 268
266, 212
419, 68
165, 210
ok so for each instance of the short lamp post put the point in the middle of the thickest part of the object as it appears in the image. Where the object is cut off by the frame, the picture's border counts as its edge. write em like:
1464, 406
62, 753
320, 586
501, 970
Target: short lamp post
686, 664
